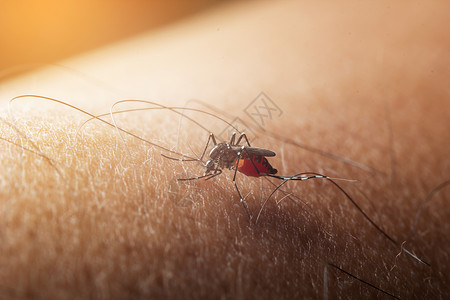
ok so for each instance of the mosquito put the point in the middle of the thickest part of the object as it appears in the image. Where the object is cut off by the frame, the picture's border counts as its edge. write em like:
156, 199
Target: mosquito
248, 160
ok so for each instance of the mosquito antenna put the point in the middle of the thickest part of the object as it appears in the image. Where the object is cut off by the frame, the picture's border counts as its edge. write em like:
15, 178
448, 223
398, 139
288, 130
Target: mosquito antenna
325, 281
313, 175
429, 196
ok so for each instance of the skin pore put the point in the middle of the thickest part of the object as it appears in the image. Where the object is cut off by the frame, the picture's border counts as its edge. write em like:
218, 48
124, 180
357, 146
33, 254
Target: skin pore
89, 213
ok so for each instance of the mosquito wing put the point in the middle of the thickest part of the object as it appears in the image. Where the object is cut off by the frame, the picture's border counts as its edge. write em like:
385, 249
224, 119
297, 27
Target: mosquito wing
259, 151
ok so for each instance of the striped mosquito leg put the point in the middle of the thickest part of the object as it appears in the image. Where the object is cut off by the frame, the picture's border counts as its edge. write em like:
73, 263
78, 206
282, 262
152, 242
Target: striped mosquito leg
306, 177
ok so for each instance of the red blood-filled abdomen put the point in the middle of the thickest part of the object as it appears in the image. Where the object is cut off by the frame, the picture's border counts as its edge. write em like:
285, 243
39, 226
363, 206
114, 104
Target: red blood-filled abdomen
260, 163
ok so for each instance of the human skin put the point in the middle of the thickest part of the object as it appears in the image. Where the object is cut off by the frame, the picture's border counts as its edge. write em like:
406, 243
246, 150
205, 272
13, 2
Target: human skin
86, 214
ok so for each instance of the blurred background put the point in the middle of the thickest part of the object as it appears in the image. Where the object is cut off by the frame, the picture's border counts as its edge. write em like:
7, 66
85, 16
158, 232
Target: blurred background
37, 32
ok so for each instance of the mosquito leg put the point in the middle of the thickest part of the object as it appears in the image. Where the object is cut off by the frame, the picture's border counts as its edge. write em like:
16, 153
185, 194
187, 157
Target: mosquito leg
211, 137
243, 135
192, 178
207, 176
260, 190
179, 159
216, 173
233, 137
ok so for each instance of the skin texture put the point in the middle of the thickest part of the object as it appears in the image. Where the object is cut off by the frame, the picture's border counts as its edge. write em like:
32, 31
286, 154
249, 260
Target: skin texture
89, 213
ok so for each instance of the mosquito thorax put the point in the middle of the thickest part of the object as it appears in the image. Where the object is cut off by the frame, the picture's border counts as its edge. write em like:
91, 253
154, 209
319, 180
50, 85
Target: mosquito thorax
218, 150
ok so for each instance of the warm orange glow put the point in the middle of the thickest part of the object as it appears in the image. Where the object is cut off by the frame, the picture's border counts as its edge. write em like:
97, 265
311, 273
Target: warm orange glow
45, 31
